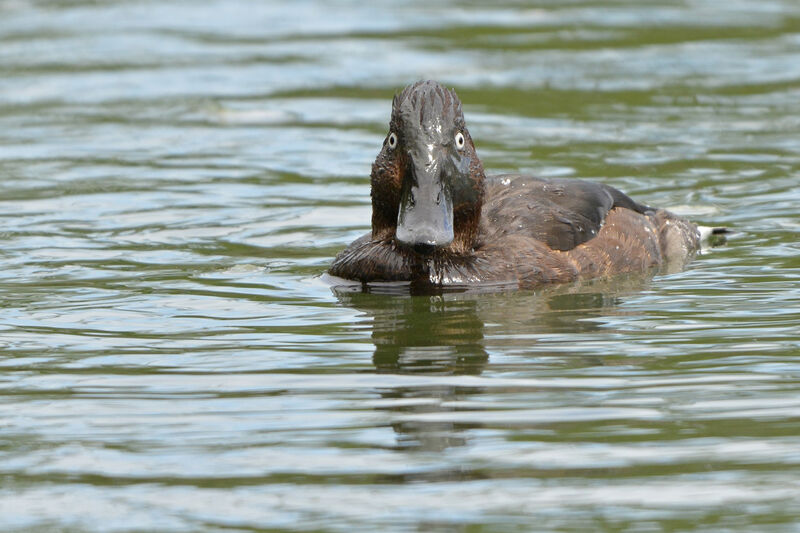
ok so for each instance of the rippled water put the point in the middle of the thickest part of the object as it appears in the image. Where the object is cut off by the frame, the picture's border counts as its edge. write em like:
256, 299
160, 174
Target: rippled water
175, 177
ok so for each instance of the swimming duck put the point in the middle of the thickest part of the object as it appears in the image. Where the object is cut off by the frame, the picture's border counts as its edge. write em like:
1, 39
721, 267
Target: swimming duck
438, 220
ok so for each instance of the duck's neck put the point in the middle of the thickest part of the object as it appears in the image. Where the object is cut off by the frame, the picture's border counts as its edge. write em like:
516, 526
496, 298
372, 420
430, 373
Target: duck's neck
468, 204
466, 221
385, 191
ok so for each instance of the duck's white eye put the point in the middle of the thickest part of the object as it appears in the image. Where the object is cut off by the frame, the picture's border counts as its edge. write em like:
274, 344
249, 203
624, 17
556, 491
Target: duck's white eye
392, 140
460, 140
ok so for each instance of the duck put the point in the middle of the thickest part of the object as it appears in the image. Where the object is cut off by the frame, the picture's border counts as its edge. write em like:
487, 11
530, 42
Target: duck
439, 221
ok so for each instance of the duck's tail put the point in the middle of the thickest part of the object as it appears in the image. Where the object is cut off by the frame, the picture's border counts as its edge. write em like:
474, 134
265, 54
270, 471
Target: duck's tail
713, 236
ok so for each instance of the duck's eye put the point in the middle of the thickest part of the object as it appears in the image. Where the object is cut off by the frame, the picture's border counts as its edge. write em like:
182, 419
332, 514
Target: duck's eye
460, 141
392, 140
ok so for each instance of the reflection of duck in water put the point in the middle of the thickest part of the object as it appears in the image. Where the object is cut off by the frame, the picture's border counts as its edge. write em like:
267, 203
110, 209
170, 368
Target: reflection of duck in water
423, 334
445, 336
437, 220
432, 335
444, 333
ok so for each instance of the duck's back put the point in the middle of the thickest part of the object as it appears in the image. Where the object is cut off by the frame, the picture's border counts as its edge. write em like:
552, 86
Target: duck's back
561, 213
590, 229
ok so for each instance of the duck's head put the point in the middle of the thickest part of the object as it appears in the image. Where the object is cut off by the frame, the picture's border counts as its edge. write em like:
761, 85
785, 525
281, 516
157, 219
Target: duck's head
427, 181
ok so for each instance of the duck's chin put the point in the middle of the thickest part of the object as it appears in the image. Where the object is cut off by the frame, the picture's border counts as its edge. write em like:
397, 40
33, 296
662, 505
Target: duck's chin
422, 251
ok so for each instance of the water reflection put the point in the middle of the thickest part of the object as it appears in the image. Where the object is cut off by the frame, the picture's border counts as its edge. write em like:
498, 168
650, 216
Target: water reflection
444, 334
430, 334
433, 334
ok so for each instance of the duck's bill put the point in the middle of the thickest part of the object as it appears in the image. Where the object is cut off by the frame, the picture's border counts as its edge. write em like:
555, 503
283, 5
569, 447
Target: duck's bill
425, 218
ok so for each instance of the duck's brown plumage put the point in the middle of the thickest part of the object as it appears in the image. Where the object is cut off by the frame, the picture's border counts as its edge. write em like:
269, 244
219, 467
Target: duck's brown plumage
508, 229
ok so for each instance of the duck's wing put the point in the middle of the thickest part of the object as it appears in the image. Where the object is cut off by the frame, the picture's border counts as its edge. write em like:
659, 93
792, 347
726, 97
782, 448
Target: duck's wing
562, 213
